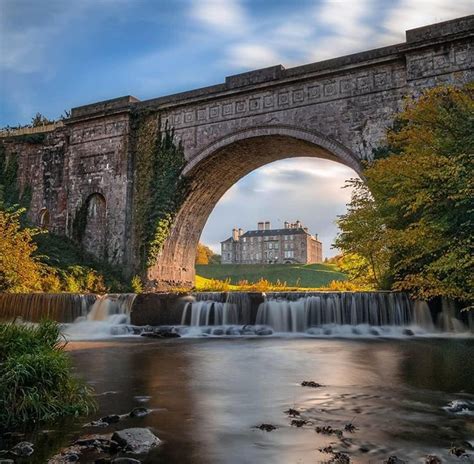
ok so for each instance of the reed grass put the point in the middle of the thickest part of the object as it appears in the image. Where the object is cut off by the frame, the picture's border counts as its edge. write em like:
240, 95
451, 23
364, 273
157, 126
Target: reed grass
36, 380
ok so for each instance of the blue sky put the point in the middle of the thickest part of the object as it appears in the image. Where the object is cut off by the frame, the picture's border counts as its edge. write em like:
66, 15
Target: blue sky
57, 54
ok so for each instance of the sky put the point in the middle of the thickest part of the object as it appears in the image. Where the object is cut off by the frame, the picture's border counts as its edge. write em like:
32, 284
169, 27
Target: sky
57, 54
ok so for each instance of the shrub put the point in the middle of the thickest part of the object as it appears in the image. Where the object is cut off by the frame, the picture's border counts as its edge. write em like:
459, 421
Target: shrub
36, 383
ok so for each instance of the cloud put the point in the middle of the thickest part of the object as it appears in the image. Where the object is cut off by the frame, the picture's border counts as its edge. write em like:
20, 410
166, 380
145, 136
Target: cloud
409, 14
308, 189
220, 15
251, 56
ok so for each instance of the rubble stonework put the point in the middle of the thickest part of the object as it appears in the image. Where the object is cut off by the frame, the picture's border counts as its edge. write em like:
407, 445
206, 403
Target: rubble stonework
337, 109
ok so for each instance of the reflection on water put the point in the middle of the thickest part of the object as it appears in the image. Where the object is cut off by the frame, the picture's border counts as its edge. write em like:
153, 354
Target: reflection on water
208, 394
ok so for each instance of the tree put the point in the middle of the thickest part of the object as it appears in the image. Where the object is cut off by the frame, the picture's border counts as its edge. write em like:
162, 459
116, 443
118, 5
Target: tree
205, 255
20, 271
419, 199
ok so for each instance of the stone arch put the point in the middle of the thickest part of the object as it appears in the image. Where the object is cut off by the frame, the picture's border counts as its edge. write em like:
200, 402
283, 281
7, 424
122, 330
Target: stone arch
95, 228
218, 166
44, 218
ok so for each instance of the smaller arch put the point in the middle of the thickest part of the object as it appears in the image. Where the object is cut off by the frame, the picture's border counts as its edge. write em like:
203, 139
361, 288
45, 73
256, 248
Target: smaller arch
43, 220
95, 230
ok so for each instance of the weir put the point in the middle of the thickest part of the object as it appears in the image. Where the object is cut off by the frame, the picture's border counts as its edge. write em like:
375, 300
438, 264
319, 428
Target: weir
241, 313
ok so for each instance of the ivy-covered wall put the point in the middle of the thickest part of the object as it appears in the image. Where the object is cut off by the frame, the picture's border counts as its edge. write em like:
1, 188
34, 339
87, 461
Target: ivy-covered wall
159, 188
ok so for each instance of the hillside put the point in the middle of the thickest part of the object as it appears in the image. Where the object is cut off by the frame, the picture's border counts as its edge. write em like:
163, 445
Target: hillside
299, 275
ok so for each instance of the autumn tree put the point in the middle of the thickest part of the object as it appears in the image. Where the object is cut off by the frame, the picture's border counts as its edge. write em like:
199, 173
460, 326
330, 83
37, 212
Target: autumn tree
20, 271
205, 255
415, 212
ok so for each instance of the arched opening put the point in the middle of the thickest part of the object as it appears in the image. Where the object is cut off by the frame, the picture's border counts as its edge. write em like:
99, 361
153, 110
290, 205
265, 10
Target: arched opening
213, 171
94, 238
44, 218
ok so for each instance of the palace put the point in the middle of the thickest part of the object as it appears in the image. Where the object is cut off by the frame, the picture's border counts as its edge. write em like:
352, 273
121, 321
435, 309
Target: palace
293, 244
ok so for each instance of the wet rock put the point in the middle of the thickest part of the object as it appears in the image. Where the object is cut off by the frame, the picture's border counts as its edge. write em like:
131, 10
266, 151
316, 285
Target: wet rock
350, 427
72, 457
375, 332
408, 332
24, 448
266, 427
310, 383
139, 412
111, 419
232, 331
299, 422
264, 331
136, 440
340, 458
356, 331
328, 430
457, 451
460, 407
151, 335
125, 460
97, 423
327, 331
292, 412
394, 460
218, 332
432, 460
100, 442
327, 449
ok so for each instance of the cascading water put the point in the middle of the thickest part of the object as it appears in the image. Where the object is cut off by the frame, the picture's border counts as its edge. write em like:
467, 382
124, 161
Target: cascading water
317, 314
32, 307
109, 315
240, 313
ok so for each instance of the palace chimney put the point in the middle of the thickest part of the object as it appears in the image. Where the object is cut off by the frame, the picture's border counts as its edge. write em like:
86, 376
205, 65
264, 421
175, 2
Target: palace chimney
267, 225
260, 226
287, 225
241, 232
235, 234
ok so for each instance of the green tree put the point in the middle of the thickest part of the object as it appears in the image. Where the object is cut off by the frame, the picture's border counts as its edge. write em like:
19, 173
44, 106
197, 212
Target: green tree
419, 198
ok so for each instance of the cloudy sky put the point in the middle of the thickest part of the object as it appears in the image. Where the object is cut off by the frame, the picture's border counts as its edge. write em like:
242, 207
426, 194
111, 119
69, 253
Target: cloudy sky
57, 54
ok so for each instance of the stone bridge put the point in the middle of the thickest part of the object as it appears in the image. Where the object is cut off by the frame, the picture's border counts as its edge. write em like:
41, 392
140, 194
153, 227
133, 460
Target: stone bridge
337, 109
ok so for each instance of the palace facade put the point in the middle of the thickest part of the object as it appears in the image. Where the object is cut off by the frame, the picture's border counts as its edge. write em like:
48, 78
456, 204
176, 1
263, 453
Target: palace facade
292, 244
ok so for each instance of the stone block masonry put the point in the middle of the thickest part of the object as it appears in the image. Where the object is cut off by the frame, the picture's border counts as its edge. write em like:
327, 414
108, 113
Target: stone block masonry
81, 173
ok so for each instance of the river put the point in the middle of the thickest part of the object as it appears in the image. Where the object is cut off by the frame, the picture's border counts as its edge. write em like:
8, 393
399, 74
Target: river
207, 396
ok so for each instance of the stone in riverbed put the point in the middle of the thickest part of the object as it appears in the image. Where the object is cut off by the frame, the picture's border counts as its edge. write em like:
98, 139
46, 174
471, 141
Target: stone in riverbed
310, 383
394, 460
264, 331
139, 412
432, 460
408, 332
110, 419
24, 448
136, 440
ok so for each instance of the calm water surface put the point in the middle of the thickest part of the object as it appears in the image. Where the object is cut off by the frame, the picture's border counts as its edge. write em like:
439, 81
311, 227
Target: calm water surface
207, 395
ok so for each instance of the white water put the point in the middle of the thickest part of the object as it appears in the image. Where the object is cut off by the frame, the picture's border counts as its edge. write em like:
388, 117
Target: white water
374, 314
108, 316
323, 314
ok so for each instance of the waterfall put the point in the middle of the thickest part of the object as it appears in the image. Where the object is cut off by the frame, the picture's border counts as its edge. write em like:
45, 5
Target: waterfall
61, 307
110, 305
302, 312
211, 308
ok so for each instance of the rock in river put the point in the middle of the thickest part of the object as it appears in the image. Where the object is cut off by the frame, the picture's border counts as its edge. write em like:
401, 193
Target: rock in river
136, 440
139, 412
24, 448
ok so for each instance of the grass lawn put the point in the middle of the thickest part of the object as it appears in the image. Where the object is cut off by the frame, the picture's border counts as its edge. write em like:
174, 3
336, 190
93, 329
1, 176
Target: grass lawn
297, 275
